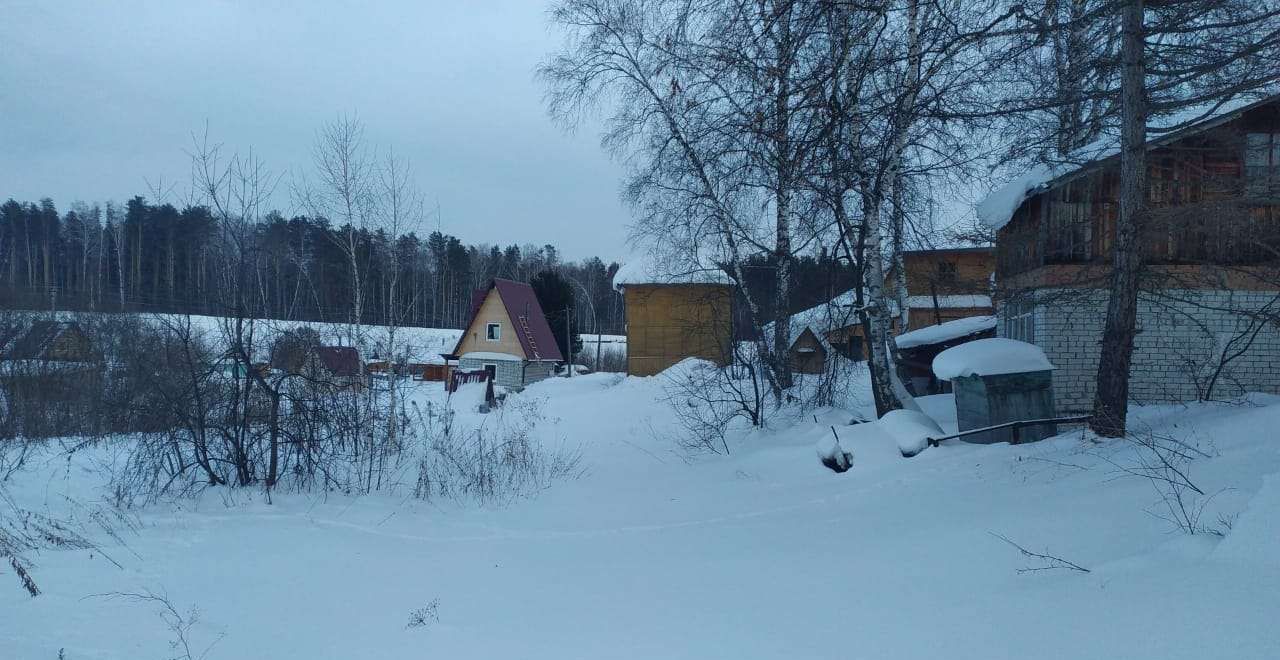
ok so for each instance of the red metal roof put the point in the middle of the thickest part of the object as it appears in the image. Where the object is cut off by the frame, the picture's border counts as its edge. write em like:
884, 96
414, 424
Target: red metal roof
524, 311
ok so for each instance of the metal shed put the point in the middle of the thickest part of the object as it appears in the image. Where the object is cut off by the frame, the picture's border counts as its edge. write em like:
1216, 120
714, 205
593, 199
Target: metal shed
996, 381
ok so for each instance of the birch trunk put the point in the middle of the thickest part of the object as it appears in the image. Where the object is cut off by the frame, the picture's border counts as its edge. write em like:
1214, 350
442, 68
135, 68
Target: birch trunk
879, 359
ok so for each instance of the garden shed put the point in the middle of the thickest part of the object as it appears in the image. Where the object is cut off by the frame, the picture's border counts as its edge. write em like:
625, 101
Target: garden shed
674, 312
996, 381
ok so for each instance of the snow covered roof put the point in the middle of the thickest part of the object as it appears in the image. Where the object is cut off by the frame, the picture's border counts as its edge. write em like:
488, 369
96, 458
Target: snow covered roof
990, 357
650, 269
836, 313
944, 332
998, 208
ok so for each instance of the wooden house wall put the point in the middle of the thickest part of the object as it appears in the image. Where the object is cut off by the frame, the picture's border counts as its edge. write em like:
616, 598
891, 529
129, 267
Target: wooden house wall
492, 311
71, 345
808, 355
1202, 209
923, 317
668, 323
851, 342
927, 275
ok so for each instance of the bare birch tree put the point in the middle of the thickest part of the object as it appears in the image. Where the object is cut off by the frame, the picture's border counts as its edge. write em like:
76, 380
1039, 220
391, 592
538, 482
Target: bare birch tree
343, 193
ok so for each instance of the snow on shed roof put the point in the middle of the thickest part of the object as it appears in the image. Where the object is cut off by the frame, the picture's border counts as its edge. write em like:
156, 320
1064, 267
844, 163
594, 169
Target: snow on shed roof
998, 208
990, 357
649, 269
824, 317
944, 332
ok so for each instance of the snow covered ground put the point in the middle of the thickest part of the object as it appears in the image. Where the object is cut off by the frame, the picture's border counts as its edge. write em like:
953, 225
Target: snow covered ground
759, 554
421, 344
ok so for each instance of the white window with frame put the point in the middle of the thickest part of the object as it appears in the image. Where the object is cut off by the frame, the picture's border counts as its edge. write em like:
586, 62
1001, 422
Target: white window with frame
1020, 321
493, 332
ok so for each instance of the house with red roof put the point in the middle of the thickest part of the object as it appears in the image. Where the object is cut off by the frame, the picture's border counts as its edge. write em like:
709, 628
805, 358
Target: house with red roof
508, 336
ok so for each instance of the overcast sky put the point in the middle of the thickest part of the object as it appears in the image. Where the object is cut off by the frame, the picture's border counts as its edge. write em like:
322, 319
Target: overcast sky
97, 98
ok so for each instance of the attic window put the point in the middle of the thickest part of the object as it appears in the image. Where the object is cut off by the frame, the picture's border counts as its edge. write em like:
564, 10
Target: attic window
493, 332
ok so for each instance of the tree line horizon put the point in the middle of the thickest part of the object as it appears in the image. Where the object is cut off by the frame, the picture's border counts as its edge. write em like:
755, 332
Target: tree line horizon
144, 256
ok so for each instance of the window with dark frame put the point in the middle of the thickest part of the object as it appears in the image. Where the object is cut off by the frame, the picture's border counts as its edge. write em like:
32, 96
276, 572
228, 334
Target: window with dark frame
1070, 222
1262, 164
947, 273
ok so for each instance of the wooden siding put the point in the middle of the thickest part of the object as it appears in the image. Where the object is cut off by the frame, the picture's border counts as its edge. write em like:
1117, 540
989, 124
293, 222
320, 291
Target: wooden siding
808, 355
1092, 276
850, 341
923, 317
1204, 209
949, 272
491, 311
668, 323
71, 345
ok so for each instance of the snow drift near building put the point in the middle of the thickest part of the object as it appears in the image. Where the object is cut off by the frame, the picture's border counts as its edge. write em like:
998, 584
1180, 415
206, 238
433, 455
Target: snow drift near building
911, 429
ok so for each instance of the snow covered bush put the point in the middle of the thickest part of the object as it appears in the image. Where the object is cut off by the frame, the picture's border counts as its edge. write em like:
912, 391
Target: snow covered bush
833, 456
707, 400
499, 460
1164, 460
911, 429
24, 533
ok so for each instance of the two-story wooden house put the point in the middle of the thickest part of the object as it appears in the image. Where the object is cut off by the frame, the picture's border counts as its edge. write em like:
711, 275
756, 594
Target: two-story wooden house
1210, 283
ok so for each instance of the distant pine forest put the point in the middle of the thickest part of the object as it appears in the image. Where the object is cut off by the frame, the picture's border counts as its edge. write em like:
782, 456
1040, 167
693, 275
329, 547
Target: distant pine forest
156, 257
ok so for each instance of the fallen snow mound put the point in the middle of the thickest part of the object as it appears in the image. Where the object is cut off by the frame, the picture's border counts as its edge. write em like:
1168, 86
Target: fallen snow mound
911, 429
943, 332
832, 454
990, 357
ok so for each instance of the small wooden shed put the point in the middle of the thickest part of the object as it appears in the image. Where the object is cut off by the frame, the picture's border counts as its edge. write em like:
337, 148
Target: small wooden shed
673, 314
809, 352
999, 380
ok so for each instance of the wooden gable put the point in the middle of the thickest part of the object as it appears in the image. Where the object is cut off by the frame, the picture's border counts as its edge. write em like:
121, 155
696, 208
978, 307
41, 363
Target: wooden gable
476, 338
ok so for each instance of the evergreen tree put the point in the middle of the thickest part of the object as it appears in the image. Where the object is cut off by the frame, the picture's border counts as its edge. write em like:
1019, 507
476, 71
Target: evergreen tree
555, 295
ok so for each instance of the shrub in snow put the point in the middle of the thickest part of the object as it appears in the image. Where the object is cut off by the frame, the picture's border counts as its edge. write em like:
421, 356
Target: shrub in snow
832, 455
911, 429
708, 401
497, 462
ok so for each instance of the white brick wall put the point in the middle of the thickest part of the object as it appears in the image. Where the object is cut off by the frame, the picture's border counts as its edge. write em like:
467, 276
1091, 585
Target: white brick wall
1181, 335
511, 373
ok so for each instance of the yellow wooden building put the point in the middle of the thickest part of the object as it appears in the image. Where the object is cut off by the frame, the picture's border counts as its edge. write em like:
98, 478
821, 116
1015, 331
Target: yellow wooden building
673, 317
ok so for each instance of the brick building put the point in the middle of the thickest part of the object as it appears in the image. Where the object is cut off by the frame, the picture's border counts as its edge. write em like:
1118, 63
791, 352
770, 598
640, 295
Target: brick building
1210, 284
